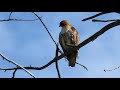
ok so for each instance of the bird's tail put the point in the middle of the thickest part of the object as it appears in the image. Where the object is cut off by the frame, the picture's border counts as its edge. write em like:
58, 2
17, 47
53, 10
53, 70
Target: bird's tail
72, 59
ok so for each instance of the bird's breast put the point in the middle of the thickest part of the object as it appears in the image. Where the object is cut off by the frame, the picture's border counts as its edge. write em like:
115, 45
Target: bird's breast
65, 30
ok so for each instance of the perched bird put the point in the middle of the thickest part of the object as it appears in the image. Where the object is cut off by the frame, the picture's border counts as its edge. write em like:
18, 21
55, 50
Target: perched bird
68, 38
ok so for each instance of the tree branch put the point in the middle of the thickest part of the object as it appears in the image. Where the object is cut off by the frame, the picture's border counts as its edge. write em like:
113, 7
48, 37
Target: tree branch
82, 66
11, 19
14, 73
94, 36
10, 15
95, 16
45, 27
16, 20
95, 20
112, 69
5, 58
56, 63
47, 31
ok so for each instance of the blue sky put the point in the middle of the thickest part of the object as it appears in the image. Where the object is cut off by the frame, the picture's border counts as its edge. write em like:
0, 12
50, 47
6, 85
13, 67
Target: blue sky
28, 43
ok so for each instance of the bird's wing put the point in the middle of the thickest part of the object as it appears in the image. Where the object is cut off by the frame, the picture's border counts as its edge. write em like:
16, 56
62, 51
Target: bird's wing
62, 41
69, 39
75, 39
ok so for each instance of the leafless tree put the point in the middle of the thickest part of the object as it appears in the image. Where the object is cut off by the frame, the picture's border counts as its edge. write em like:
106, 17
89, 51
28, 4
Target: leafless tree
113, 23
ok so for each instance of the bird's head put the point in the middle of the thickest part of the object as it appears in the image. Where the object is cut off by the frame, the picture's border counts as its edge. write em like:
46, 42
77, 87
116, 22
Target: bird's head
64, 23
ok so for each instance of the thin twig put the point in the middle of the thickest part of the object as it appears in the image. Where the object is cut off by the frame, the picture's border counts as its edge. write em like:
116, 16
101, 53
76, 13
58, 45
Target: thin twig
10, 15
14, 73
11, 61
56, 63
112, 69
16, 20
101, 13
45, 27
82, 66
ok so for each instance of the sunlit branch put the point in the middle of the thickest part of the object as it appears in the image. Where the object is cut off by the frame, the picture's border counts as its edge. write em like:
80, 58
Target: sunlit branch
11, 61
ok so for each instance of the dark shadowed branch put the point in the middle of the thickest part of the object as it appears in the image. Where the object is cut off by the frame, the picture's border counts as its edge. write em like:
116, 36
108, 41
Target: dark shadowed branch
60, 51
45, 27
82, 66
97, 34
57, 48
14, 73
48, 32
95, 20
85, 42
101, 13
56, 63
10, 15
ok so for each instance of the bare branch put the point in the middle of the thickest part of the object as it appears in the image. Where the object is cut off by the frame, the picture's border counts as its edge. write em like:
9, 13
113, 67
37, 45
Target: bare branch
82, 66
97, 34
112, 69
11, 19
47, 31
95, 20
57, 48
56, 63
6, 20
5, 58
10, 15
45, 27
95, 16
14, 73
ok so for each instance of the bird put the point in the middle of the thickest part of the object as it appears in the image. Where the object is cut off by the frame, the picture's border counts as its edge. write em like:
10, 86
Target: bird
68, 39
